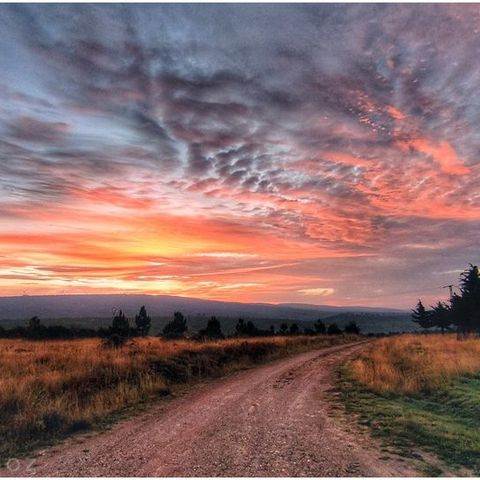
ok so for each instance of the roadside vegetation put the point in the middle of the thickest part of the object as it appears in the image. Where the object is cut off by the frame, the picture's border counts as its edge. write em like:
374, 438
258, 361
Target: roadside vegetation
50, 389
424, 390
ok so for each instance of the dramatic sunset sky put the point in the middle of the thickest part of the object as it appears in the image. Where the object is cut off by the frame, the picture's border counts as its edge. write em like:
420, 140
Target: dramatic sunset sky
277, 153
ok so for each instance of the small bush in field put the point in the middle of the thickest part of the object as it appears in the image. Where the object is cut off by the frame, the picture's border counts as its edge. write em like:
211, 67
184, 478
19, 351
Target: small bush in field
333, 329
352, 328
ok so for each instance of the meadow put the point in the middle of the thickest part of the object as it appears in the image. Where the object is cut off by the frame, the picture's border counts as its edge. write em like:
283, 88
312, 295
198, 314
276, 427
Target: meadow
51, 389
420, 391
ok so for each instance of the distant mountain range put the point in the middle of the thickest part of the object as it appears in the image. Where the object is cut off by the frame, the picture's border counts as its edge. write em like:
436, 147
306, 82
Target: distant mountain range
97, 309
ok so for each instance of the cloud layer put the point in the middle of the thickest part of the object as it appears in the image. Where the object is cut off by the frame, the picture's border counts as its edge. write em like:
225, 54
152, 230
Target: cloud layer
320, 153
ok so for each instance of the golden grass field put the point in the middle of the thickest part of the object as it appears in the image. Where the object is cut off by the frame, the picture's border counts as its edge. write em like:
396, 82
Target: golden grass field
50, 389
415, 363
420, 393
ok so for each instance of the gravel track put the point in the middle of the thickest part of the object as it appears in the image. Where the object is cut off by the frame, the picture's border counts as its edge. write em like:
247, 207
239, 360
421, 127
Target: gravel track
272, 420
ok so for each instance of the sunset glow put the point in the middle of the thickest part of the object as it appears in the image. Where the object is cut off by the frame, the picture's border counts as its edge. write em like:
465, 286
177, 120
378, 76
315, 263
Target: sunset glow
321, 154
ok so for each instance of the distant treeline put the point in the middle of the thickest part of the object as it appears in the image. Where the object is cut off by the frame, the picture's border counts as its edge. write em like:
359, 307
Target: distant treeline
121, 329
461, 313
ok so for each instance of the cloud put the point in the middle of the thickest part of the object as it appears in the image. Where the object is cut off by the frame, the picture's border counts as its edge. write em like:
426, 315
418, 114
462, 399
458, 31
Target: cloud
37, 131
237, 141
318, 292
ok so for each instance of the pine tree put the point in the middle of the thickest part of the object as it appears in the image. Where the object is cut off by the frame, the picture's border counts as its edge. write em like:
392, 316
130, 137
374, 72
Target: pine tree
120, 324
34, 323
118, 333
441, 317
294, 330
240, 328
320, 327
176, 328
213, 330
143, 322
421, 316
352, 328
465, 308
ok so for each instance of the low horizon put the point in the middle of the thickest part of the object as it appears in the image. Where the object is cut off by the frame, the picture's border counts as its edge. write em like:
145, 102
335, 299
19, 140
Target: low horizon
250, 153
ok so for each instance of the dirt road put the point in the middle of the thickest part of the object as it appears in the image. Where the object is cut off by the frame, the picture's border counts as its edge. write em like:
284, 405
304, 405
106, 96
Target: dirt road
268, 421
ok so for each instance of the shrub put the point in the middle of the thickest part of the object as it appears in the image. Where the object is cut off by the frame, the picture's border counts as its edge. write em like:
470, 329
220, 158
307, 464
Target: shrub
352, 328
333, 329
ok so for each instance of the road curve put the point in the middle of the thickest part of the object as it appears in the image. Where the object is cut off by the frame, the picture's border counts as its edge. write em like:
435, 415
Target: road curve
272, 420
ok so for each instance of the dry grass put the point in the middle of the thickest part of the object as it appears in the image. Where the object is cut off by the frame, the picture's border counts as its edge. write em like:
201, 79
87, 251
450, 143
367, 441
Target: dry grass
415, 363
50, 389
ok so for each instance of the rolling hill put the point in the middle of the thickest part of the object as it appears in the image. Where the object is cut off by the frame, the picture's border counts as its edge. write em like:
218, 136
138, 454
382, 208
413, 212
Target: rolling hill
95, 310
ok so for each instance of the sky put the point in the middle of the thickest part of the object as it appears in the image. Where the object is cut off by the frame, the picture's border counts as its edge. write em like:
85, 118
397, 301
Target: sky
315, 153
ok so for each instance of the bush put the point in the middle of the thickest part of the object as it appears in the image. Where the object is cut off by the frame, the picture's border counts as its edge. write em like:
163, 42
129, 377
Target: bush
320, 327
334, 329
352, 328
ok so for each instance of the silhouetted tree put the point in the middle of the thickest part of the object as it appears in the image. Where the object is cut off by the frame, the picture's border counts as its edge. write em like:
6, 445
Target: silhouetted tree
352, 328
294, 330
212, 330
422, 316
465, 308
320, 327
240, 328
118, 333
143, 322
333, 329
176, 328
441, 317
283, 329
120, 324
34, 323
35, 329
272, 330
251, 329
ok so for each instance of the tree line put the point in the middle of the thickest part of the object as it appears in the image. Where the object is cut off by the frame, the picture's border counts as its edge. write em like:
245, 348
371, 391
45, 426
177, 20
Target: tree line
461, 313
121, 330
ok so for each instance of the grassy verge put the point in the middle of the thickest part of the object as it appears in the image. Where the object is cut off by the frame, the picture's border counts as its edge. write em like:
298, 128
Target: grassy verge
51, 389
420, 392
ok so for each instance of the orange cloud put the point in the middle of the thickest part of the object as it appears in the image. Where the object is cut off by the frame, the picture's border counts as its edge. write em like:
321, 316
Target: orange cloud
441, 152
395, 113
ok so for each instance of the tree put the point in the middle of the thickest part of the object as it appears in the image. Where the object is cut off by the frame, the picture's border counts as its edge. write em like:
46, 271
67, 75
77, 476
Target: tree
143, 322
120, 324
251, 329
441, 317
294, 330
35, 329
118, 333
34, 323
212, 330
176, 328
320, 327
240, 328
352, 328
283, 329
248, 329
421, 316
465, 308
333, 329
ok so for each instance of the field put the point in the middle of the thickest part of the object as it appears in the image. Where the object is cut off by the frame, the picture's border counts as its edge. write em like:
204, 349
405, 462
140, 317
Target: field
420, 391
51, 389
